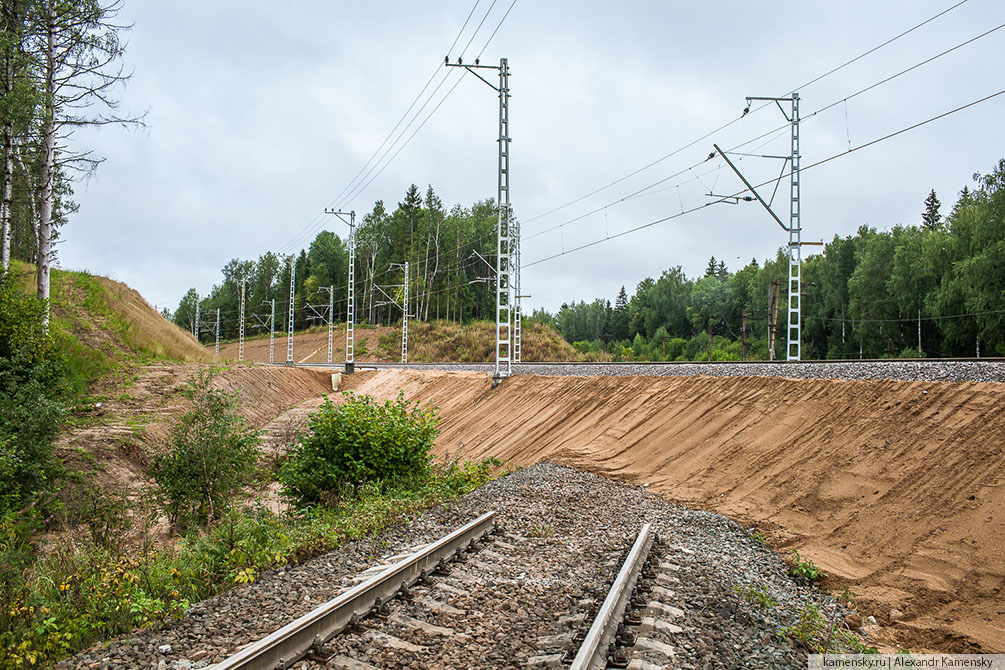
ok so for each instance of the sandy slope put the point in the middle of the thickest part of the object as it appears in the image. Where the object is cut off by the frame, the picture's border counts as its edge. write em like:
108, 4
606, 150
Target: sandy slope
893, 487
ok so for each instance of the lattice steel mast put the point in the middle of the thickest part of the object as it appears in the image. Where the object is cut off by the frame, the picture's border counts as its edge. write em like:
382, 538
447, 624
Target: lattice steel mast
289, 327
507, 235
794, 227
350, 321
240, 352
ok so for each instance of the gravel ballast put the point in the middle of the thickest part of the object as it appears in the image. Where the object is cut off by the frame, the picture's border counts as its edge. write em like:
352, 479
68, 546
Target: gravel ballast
517, 601
926, 371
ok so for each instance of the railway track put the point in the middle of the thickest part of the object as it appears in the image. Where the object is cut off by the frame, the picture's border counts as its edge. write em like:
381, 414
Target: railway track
400, 612
933, 370
525, 597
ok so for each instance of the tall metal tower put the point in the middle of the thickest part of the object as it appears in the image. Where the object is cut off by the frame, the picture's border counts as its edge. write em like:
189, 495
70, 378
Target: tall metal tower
240, 352
517, 309
272, 332
507, 235
794, 227
404, 314
403, 306
289, 327
328, 315
350, 320
217, 328
195, 330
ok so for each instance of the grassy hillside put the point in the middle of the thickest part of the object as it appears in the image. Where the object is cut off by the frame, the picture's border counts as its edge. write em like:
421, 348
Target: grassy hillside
101, 324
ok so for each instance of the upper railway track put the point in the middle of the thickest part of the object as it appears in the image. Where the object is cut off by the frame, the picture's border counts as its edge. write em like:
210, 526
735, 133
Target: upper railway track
937, 370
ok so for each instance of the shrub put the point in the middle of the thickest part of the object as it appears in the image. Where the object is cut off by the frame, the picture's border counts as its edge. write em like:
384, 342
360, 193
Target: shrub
356, 442
213, 455
805, 570
31, 391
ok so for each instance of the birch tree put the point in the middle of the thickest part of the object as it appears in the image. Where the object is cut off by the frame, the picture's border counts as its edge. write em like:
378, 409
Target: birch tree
77, 44
16, 110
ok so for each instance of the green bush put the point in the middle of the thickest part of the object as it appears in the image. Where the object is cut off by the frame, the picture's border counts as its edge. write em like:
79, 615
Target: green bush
357, 442
212, 458
31, 394
78, 593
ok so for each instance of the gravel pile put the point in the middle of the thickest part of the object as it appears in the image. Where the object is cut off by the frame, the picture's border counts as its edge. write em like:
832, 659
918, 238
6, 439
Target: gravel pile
564, 536
928, 371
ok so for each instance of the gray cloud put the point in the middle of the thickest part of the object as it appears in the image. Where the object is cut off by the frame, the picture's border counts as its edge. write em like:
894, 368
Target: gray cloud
260, 114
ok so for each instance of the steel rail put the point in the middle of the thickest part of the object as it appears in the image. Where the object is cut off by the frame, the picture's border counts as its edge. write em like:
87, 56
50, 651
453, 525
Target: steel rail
667, 364
592, 653
291, 642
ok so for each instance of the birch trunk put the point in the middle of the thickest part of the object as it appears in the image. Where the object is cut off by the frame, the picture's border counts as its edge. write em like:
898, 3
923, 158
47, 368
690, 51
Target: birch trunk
8, 167
436, 268
49, 147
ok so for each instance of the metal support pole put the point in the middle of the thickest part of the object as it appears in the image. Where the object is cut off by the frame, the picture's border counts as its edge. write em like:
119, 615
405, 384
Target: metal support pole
404, 321
350, 320
507, 233
197, 317
217, 332
504, 286
794, 227
240, 348
794, 343
331, 319
272, 332
517, 310
289, 327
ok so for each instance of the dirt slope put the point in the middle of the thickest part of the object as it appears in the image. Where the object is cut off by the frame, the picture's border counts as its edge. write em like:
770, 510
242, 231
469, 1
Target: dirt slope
118, 438
895, 488
427, 342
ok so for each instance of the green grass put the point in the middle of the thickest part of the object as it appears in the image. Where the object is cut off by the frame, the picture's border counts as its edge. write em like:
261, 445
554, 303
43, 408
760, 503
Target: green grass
82, 592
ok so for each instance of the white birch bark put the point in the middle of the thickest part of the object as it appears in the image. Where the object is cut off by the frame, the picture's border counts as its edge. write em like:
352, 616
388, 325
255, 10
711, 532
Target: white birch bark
48, 148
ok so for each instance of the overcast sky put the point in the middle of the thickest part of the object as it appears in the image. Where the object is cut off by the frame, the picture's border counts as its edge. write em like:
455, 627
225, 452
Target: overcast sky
260, 114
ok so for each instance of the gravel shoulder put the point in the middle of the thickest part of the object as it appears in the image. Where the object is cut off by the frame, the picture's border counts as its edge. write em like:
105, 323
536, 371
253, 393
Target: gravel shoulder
931, 371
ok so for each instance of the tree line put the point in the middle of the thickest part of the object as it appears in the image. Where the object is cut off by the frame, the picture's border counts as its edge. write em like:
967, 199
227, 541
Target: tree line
60, 61
934, 290
449, 276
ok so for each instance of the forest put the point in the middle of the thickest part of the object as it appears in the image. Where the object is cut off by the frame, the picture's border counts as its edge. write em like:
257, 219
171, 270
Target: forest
932, 290
448, 254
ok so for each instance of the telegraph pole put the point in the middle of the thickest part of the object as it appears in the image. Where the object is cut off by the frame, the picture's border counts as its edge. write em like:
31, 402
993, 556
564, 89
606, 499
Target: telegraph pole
794, 227
507, 235
289, 327
240, 352
350, 321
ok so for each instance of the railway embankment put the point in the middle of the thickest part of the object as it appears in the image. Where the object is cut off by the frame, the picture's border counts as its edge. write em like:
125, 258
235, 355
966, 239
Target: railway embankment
892, 487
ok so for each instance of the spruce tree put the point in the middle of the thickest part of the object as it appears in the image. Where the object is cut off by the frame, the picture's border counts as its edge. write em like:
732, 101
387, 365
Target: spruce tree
930, 217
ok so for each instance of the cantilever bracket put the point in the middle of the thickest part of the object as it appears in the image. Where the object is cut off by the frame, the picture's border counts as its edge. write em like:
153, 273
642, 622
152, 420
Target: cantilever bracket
470, 69
750, 188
